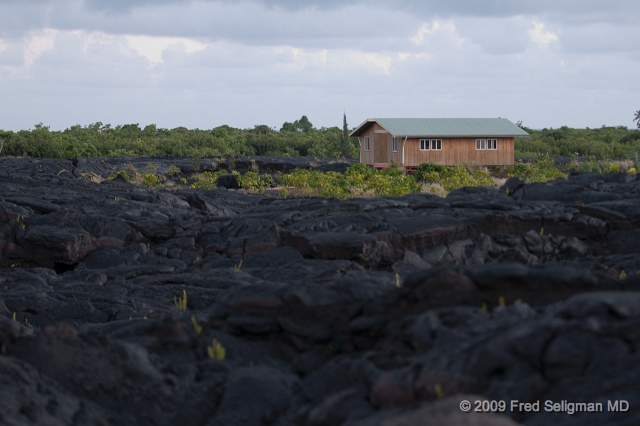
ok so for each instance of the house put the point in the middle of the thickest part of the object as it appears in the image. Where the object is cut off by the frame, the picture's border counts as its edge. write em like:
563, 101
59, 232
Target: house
410, 142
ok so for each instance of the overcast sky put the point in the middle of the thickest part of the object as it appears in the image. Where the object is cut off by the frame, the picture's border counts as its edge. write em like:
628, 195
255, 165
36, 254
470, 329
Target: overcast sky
212, 62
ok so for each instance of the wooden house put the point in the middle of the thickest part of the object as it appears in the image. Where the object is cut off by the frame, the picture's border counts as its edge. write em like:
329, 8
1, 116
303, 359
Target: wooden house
409, 142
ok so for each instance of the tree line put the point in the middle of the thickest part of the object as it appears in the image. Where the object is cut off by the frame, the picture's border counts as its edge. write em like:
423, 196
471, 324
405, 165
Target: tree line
295, 138
299, 138
606, 142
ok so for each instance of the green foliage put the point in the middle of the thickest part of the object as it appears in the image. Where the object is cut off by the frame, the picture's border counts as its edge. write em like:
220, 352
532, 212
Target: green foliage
345, 144
195, 163
149, 180
181, 302
297, 138
216, 351
207, 180
173, 171
255, 182
541, 170
98, 139
604, 142
114, 174
453, 177
197, 327
357, 180
302, 125
430, 167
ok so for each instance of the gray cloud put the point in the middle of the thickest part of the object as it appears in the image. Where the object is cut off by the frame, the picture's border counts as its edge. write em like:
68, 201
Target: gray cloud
97, 14
497, 8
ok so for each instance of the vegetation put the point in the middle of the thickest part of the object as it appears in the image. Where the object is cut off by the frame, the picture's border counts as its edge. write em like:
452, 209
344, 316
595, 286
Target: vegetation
296, 138
592, 150
361, 180
216, 351
98, 139
543, 169
207, 180
181, 302
358, 180
451, 178
255, 182
603, 143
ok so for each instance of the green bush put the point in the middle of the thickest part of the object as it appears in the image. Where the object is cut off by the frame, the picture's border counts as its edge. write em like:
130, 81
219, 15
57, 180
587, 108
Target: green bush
255, 182
207, 180
543, 169
114, 174
149, 180
173, 171
453, 177
358, 179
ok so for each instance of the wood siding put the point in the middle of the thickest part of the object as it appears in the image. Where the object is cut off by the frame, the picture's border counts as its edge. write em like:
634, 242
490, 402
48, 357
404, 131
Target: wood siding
454, 151
460, 151
367, 157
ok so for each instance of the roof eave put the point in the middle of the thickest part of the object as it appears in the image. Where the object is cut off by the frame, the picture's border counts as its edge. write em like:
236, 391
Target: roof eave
358, 130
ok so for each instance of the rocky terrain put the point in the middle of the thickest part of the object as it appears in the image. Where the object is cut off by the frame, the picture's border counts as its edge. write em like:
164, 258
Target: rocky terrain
121, 305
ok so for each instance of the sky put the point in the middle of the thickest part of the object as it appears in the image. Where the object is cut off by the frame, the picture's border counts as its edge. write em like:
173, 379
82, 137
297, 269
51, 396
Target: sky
202, 64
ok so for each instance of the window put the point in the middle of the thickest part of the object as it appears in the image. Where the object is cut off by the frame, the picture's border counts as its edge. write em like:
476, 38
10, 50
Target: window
436, 144
492, 144
394, 145
424, 144
366, 143
481, 144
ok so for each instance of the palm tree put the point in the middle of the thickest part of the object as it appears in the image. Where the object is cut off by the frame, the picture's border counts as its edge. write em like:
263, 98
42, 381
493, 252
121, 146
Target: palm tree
637, 118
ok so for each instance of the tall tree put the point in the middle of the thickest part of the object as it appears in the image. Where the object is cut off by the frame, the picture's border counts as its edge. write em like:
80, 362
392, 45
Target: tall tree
637, 118
344, 143
303, 125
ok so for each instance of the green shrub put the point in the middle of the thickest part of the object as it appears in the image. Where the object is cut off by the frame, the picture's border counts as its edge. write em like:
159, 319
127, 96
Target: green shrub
255, 182
207, 180
173, 171
149, 180
114, 174
427, 171
358, 179
453, 177
543, 169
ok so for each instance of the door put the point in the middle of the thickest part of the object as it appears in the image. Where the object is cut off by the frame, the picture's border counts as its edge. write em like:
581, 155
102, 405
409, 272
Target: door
381, 148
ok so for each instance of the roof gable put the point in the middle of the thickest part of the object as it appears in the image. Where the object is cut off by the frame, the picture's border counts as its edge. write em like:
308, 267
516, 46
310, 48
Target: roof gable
445, 127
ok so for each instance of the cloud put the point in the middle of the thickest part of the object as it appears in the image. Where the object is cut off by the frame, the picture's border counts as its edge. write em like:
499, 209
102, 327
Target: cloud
496, 36
601, 38
153, 47
38, 44
425, 30
444, 8
405, 56
540, 35
206, 63
376, 60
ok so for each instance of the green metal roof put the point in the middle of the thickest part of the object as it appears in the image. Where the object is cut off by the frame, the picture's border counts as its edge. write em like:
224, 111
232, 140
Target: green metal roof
445, 127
